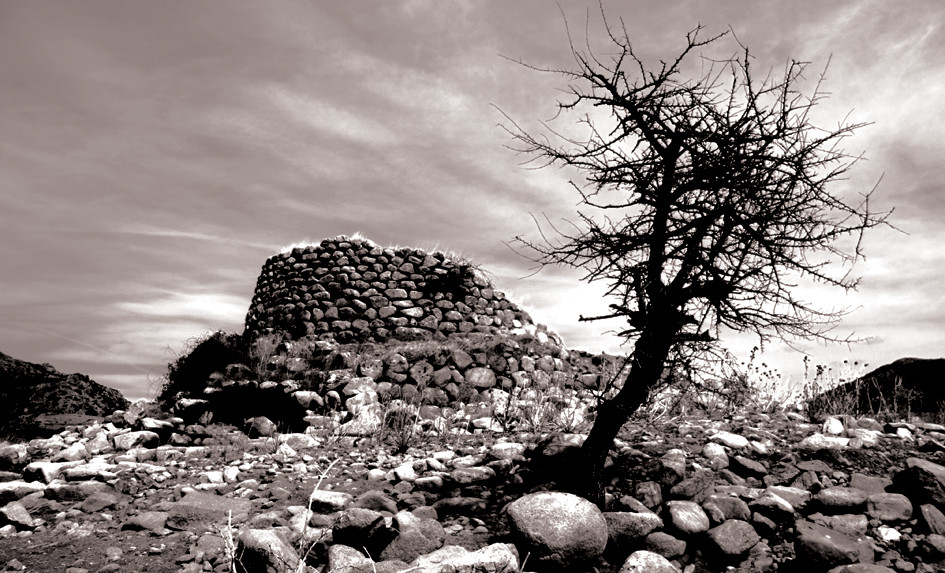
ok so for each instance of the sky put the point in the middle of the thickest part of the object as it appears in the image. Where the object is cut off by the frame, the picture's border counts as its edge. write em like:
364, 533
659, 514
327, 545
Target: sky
155, 154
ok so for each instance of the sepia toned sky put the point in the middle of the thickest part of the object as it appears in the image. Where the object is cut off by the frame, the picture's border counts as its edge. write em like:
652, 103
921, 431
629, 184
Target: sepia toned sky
154, 154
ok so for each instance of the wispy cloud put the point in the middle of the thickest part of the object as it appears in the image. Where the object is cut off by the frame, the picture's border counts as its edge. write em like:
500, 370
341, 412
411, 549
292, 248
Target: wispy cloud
148, 231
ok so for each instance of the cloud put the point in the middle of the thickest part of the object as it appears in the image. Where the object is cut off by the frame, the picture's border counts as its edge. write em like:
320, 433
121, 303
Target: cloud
150, 231
212, 307
328, 120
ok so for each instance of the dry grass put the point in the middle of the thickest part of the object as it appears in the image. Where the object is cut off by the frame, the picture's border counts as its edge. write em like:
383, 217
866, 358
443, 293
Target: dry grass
821, 391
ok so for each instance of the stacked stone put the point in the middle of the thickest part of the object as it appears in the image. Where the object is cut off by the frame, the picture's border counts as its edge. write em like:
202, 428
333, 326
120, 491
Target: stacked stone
356, 291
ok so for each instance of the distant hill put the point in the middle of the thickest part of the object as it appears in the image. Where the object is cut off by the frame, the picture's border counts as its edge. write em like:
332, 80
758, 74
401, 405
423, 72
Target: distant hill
36, 399
916, 385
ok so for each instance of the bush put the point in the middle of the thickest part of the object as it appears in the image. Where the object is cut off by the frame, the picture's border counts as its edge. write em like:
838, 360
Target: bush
188, 374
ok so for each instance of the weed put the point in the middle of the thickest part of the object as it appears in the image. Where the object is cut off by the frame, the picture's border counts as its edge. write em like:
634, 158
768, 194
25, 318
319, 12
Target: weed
261, 352
229, 544
400, 426
304, 551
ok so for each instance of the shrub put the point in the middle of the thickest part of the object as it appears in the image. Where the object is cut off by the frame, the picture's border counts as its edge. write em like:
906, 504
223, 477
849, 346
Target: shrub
188, 374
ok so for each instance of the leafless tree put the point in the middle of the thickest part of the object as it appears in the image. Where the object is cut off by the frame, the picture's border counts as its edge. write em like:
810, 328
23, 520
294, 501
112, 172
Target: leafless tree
703, 203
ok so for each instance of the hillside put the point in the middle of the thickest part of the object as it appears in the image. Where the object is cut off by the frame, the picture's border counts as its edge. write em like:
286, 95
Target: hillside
37, 400
911, 385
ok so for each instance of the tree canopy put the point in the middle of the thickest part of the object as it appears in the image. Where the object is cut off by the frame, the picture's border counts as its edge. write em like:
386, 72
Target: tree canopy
703, 202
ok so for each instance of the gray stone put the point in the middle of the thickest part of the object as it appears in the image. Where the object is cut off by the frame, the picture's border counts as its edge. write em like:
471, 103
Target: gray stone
625, 527
461, 358
869, 484
853, 524
924, 480
497, 557
933, 517
44, 471
75, 452
199, 508
822, 547
139, 439
832, 426
688, 517
695, 488
559, 529
818, 442
324, 501
13, 456
672, 467
376, 500
344, 558
889, 507
665, 544
734, 537
731, 440
153, 521
869, 438
265, 551
75, 491
404, 472
507, 451
861, 568
98, 501
17, 514
650, 494
797, 497
415, 537
731, 507
647, 562
746, 467
716, 455
356, 526
97, 469
773, 507
480, 377
841, 499
934, 546
472, 475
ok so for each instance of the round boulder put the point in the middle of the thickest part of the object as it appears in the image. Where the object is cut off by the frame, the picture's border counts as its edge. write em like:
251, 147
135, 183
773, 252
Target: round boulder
647, 562
559, 530
734, 537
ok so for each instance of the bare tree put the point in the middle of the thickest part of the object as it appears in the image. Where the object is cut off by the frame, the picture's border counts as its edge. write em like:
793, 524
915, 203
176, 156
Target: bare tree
703, 203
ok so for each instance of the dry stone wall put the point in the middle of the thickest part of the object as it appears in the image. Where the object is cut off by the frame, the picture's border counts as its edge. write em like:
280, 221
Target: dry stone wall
352, 290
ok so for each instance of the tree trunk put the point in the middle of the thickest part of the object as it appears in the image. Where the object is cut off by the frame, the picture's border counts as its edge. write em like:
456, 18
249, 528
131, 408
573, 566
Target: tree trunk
646, 370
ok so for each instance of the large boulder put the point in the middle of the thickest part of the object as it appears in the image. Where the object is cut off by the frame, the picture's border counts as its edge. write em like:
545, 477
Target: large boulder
559, 530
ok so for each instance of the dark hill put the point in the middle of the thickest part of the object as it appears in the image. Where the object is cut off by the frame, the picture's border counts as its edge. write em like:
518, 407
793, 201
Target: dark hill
36, 399
908, 385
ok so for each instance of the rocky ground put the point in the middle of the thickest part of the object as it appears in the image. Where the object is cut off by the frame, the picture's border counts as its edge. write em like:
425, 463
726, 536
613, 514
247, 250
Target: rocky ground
746, 493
